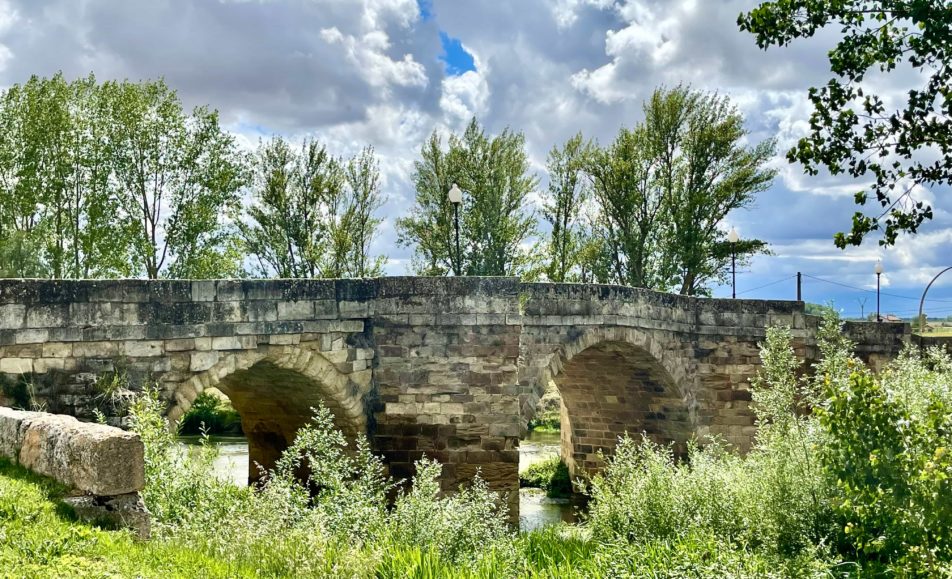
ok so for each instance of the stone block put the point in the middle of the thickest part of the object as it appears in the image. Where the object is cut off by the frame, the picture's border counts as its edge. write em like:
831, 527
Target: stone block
201, 361
143, 349
181, 345
300, 310
227, 343
12, 316
16, 365
95, 349
92, 458
32, 336
204, 291
47, 316
126, 511
44, 365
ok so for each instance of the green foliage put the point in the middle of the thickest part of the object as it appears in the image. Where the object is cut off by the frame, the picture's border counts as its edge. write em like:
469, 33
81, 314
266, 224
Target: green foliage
773, 501
312, 214
18, 391
889, 453
178, 175
211, 415
665, 187
562, 206
459, 526
113, 179
851, 129
552, 476
546, 420
494, 220
862, 490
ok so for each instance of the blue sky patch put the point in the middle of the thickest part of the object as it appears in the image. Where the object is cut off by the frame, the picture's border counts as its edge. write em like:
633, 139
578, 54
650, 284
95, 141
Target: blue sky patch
426, 9
455, 57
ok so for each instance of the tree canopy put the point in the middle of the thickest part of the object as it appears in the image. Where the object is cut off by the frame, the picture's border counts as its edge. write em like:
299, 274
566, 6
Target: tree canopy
661, 192
854, 130
495, 222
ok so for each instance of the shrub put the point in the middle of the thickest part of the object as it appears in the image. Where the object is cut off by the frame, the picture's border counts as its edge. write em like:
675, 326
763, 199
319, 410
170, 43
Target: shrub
212, 415
550, 475
461, 527
888, 451
773, 500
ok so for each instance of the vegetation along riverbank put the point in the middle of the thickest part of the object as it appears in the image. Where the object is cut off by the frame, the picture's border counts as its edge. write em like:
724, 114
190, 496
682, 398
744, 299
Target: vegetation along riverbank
797, 505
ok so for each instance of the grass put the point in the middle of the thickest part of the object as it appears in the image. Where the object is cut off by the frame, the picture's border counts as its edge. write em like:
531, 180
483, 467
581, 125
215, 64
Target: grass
40, 538
943, 331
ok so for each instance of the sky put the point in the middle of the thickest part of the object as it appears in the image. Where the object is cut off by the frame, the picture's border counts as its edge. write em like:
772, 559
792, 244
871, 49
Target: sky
389, 72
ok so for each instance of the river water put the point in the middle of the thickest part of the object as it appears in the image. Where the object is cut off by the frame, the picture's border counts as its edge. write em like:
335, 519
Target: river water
535, 510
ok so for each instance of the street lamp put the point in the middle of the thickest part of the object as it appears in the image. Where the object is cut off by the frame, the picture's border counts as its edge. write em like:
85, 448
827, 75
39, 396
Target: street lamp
733, 237
879, 272
456, 198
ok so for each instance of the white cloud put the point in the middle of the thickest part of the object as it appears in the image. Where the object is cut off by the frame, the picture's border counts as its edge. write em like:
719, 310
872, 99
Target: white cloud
359, 72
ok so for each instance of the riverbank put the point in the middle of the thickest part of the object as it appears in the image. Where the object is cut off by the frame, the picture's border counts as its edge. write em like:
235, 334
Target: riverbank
40, 539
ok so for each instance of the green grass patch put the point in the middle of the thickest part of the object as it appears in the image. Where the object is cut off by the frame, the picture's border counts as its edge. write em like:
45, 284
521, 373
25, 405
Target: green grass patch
549, 420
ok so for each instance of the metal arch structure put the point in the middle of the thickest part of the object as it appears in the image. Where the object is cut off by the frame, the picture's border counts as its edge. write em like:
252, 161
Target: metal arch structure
922, 301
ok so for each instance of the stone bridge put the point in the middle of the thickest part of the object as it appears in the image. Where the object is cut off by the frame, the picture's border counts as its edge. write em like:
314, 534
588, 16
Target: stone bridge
450, 368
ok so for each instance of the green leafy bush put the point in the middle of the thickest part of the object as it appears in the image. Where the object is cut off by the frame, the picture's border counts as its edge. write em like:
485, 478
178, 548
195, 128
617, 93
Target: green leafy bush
212, 415
888, 451
771, 501
550, 475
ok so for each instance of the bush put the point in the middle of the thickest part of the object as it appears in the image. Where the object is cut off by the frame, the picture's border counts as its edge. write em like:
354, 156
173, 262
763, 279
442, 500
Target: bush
771, 501
212, 415
550, 475
888, 451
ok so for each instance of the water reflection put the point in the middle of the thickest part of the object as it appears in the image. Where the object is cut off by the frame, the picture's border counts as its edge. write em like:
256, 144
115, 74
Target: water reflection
535, 509
231, 464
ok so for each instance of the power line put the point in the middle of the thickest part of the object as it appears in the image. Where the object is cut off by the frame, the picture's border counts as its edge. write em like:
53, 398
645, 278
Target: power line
865, 290
747, 291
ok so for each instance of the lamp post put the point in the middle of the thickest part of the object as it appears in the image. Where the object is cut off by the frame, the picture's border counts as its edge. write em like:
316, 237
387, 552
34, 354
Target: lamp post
733, 237
456, 198
879, 272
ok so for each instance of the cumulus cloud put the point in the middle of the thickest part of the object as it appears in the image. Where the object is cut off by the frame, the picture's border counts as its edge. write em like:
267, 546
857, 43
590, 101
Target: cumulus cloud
358, 72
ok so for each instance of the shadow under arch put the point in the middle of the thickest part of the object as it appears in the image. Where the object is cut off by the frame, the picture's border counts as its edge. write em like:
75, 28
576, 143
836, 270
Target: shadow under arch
273, 389
614, 381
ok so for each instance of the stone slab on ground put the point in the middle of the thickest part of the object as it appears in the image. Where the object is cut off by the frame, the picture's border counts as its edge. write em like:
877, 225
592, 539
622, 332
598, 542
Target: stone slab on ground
91, 458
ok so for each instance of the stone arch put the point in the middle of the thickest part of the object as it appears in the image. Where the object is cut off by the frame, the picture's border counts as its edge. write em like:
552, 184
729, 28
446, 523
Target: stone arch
274, 388
618, 380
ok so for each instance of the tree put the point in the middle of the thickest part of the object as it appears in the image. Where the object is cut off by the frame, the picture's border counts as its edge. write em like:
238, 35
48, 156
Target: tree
665, 187
851, 130
493, 173
708, 172
568, 191
56, 196
312, 215
177, 176
363, 180
632, 210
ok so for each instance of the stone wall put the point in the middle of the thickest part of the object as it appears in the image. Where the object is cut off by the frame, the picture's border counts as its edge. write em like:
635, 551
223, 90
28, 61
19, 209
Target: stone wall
102, 465
943, 342
449, 368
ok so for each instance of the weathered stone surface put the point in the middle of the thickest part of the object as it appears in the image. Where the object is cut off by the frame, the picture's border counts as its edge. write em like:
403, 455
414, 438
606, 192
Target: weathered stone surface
123, 511
453, 367
92, 458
